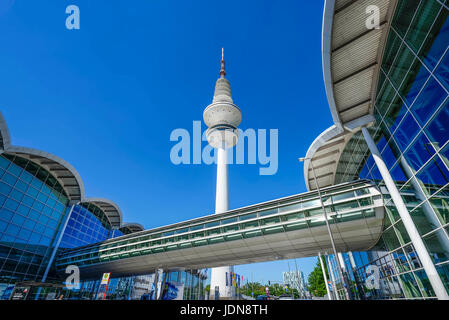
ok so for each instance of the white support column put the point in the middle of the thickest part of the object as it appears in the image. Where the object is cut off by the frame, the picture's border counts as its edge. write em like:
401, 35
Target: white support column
409, 225
56, 247
222, 195
329, 296
351, 259
218, 275
342, 261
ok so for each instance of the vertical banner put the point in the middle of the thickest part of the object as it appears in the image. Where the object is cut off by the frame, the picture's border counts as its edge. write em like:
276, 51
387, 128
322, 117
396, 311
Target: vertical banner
226, 279
103, 286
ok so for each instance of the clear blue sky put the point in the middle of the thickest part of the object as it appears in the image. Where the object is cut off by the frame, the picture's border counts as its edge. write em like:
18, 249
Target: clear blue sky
106, 97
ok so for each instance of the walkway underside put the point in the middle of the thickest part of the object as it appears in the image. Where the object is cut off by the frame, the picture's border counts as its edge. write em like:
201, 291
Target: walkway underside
286, 228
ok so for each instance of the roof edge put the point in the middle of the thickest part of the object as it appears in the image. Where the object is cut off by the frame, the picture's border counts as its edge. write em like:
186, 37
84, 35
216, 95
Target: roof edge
322, 139
326, 48
109, 202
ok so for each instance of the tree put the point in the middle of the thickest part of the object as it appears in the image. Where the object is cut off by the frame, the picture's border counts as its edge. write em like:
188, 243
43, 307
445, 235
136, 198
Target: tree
316, 281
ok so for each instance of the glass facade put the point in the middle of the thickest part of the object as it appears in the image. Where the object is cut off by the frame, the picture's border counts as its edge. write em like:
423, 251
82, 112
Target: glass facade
175, 285
412, 133
33, 206
87, 224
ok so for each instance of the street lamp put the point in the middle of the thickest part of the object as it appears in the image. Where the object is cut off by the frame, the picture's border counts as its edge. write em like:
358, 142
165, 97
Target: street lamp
328, 227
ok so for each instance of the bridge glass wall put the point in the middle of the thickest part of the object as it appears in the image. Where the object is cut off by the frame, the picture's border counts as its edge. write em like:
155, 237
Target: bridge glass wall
33, 206
412, 133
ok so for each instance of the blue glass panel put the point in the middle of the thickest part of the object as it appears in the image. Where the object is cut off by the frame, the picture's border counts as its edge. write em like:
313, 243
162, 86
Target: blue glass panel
438, 129
438, 39
22, 186
29, 224
381, 144
3, 225
364, 172
16, 195
4, 163
395, 115
10, 179
398, 175
6, 215
39, 228
12, 230
38, 206
28, 200
34, 214
418, 83
434, 176
442, 71
15, 170
43, 219
420, 152
37, 183
388, 155
4, 188
18, 219
26, 176
406, 132
428, 101
2, 199
444, 154
11, 204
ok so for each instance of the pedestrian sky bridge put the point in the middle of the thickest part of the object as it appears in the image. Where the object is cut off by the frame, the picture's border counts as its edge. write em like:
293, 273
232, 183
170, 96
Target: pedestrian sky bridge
286, 228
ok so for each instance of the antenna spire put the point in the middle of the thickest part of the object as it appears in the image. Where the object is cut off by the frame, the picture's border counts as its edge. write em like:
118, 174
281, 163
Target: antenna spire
222, 70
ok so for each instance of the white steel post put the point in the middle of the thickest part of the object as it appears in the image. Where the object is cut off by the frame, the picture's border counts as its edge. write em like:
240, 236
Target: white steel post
329, 296
409, 225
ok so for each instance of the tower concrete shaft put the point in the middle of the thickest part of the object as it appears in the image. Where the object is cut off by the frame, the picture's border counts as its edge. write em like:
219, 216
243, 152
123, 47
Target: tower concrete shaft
222, 117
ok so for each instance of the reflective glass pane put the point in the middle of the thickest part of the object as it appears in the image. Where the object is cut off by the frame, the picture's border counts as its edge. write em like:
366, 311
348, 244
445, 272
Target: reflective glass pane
419, 153
406, 132
428, 101
440, 204
434, 176
437, 245
438, 129
437, 40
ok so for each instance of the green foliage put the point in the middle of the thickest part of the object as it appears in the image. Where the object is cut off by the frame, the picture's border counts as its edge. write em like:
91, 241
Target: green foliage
316, 281
259, 289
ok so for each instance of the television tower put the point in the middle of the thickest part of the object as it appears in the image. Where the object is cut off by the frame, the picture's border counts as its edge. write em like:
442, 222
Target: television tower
222, 117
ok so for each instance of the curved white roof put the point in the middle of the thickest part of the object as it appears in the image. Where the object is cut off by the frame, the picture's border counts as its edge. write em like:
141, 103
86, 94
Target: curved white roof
4, 133
352, 56
110, 209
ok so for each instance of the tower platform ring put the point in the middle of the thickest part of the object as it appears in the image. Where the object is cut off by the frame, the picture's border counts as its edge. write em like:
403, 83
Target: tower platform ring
222, 136
222, 113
